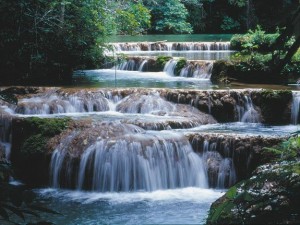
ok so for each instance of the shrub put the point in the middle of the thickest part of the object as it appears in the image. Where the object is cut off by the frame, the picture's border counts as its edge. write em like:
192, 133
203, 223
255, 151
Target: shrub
254, 40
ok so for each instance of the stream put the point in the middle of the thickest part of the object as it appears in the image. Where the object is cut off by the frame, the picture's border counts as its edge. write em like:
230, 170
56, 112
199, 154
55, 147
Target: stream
142, 157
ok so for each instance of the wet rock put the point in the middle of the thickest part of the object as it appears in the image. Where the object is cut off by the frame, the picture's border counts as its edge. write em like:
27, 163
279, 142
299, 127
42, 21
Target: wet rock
30, 150
247, 152
270, 196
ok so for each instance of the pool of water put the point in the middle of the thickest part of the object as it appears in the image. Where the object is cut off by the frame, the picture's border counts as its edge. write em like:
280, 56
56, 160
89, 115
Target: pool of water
177, 206
250, 129
171, 38
120, 78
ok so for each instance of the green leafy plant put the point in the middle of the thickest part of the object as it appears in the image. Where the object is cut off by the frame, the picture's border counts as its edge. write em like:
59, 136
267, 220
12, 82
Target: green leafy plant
254, 40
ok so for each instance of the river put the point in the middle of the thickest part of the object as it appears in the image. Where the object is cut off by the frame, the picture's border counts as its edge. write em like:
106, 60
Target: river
152, 157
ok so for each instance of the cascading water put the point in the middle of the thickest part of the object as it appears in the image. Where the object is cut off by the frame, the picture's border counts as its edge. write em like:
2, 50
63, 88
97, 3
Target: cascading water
129, 159
246, 111
115, 149
197, 70
295, 108
220, 170
170, 66
172, 46
251, 115
55, 104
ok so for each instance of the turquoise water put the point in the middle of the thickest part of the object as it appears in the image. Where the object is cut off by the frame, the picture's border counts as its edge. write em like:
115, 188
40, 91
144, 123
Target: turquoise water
172, 38
177, 206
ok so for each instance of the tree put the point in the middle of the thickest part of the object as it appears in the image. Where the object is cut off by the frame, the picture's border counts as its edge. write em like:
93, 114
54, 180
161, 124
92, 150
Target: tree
169, 16
135, 19
47, 40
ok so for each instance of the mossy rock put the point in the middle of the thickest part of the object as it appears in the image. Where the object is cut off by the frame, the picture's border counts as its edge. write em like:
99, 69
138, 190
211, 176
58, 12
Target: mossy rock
222, 70
180, 64
30, 154
161, 62
274, 105
269, 197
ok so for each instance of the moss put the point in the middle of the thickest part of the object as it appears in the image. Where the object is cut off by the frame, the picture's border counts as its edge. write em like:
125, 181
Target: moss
47, 126
180, 64
29, 146
161, 61
40, 131
273, 104
269, 197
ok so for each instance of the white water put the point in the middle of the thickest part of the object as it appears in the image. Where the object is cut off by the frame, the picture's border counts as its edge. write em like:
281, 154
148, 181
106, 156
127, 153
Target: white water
295, 108
170, 67
132, 162
171, 46
250, 115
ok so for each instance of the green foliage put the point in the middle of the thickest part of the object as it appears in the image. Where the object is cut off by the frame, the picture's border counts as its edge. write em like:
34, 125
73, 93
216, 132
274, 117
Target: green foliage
253, 40
229, 24
287, 150
169, 17
239, 3
133, 20
47, 40
255, 62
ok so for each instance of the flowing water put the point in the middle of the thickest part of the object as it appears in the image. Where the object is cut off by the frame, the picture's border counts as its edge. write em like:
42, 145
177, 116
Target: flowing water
135, 167
142, 158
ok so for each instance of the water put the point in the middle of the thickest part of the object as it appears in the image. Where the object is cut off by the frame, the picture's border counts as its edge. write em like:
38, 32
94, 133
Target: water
189, 55
134, 162
172, 38
245, 129
176, 206
121, 78
295, 108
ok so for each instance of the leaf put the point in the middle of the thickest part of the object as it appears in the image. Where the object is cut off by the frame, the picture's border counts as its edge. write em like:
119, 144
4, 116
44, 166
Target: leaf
15, 210
43, 209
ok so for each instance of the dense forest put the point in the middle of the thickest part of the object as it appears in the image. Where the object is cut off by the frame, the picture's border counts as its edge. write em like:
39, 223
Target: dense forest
43, 41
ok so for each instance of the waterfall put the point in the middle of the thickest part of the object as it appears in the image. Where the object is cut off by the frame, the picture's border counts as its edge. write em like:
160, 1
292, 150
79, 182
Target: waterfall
295, 108
250, 115
246, 110
131, 160
170, 66
220, 169
132, 64
54, 104
141, 67
172, 46
197, 70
